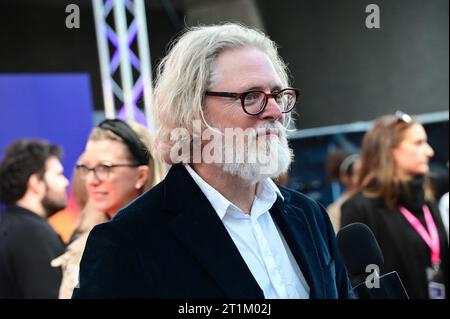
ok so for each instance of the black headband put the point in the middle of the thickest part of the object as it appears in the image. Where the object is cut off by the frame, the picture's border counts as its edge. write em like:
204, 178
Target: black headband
122, 129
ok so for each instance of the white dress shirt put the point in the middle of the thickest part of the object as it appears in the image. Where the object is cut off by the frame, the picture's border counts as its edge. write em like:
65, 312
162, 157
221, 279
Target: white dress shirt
259, 241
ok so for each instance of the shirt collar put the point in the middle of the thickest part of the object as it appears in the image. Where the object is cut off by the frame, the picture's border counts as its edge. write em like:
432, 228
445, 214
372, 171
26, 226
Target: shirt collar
266, 190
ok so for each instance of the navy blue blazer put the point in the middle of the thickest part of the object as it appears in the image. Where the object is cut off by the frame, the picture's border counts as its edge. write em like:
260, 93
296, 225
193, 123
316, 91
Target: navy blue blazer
170, 243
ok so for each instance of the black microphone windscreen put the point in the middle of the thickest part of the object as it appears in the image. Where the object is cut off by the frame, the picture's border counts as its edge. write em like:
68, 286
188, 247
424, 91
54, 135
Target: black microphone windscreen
359, 248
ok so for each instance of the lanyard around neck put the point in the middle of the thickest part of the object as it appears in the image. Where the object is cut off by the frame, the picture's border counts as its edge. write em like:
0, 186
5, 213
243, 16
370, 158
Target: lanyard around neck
431, 237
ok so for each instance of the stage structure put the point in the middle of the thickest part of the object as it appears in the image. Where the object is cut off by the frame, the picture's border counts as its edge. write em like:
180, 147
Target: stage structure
124, 56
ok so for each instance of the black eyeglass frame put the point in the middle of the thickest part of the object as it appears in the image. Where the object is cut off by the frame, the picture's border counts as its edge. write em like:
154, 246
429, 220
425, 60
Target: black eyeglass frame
242, 96
108, 166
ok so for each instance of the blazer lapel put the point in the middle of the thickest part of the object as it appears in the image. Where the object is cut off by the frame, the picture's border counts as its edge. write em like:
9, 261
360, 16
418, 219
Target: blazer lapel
294, 225
201, 231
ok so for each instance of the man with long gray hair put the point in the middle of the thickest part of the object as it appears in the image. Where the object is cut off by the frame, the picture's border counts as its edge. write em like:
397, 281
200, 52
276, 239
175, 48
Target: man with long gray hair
217, 226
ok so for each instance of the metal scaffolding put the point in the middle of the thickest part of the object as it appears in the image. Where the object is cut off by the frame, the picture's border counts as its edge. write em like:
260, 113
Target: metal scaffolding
135, 83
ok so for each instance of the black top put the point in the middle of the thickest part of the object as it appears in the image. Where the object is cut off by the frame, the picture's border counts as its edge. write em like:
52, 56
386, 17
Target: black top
403, 249
27, 245
170, 243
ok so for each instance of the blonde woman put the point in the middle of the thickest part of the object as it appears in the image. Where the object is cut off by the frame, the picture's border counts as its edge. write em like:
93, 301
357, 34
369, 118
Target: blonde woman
116, 167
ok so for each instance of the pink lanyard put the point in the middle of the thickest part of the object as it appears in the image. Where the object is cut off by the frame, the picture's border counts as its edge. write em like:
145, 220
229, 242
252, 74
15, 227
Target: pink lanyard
431, 237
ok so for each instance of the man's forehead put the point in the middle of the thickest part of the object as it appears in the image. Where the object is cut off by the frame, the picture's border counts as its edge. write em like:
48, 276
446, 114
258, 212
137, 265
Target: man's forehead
246, 68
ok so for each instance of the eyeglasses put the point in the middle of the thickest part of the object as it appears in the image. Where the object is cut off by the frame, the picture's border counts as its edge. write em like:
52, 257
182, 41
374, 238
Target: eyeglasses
101, 171
403, 117
254, 102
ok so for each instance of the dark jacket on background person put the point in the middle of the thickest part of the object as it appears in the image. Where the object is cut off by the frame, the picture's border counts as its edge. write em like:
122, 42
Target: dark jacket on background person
403, 249
27, 245
170, 243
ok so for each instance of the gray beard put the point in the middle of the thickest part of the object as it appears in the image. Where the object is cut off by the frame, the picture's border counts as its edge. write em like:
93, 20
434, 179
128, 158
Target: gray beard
278, 157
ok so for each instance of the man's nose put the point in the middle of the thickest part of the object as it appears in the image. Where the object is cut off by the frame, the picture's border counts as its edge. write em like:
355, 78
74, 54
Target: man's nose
272, 111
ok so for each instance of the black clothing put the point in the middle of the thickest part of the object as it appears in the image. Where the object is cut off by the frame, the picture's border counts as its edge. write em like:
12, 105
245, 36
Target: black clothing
170, 243
403, 249
27, 245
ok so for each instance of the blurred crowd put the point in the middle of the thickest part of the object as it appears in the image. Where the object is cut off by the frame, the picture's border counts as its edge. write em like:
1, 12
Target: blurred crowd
115, 168
381, 187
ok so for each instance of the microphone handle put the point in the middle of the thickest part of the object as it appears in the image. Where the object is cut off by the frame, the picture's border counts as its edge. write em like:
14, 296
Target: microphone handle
390, 287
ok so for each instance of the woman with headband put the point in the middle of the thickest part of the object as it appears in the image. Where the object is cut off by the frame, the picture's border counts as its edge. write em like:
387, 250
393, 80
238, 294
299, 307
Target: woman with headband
116, 168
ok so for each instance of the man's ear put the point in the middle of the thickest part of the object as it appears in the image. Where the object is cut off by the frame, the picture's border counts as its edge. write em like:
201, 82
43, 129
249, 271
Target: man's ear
35, 184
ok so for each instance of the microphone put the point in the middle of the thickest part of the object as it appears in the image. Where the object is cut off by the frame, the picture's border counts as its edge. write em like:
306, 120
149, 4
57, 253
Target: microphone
363, 257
